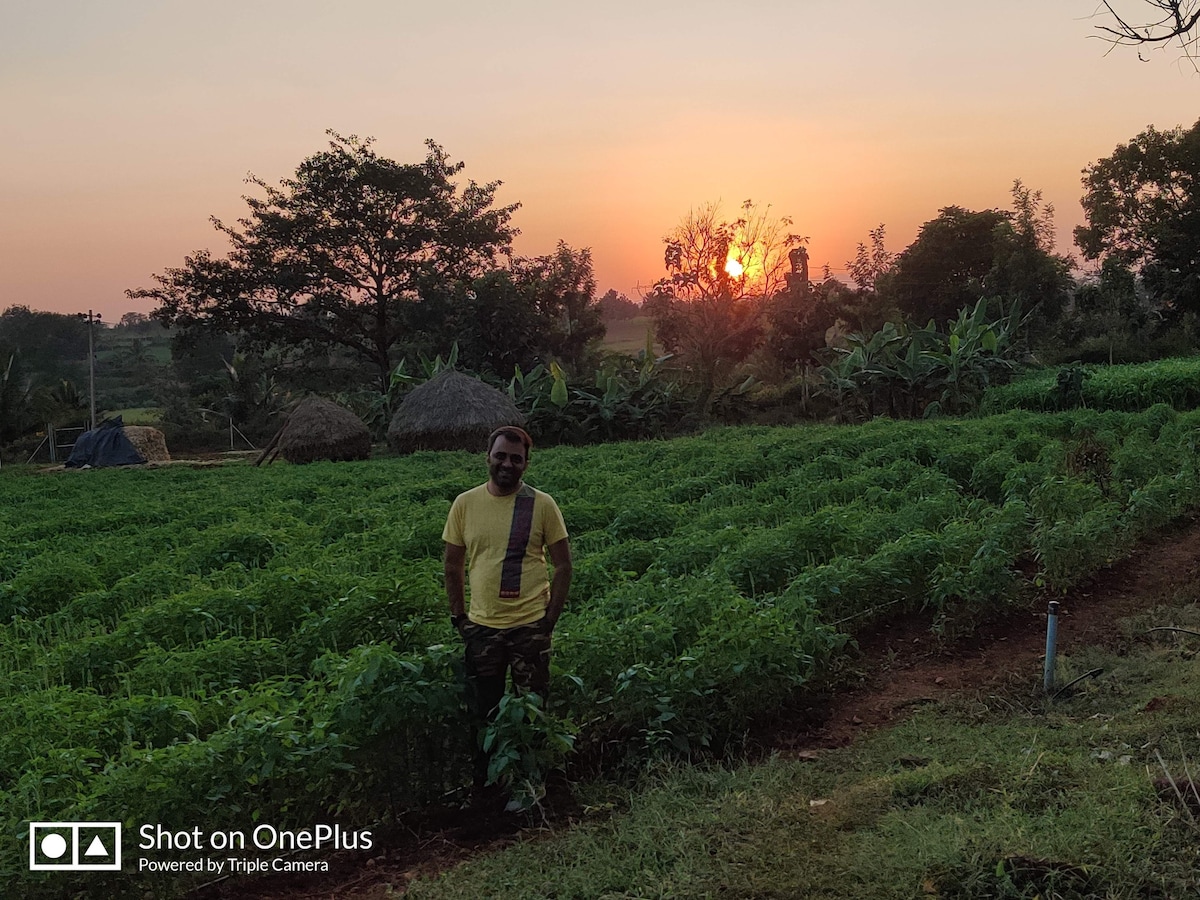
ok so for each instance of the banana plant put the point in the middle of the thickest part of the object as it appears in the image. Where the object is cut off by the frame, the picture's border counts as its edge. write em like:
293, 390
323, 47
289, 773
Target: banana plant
971, 358
906, 372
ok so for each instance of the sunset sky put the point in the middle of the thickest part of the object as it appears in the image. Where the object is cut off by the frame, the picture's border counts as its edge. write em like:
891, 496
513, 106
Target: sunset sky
127, 124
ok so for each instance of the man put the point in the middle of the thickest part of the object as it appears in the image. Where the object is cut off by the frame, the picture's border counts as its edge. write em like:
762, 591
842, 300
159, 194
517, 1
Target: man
500, 532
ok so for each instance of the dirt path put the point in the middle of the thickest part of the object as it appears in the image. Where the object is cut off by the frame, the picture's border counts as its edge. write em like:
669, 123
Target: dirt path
902, 667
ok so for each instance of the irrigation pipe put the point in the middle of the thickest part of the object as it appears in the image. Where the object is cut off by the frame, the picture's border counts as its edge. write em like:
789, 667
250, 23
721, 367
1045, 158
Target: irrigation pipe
1172, 628
867, 612
1074, 681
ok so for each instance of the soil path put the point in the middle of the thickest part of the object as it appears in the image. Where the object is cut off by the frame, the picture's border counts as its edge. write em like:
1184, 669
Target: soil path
900, 667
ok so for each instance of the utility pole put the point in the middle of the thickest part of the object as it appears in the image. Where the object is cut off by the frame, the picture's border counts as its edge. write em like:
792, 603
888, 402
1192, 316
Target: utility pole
92, 319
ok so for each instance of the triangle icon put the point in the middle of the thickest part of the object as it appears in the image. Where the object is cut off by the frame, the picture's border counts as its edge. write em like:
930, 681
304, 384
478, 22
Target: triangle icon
95, 848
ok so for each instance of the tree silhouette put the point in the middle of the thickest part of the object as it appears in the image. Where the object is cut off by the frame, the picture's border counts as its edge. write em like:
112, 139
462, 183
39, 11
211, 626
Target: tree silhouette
708, 309
1143, 209
338, 255
1176, 20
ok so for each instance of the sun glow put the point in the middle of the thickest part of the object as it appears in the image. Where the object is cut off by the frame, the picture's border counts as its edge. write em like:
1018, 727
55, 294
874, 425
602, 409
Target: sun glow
733, 268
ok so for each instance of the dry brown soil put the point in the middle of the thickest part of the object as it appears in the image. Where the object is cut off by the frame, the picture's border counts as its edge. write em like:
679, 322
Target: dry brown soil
899, 668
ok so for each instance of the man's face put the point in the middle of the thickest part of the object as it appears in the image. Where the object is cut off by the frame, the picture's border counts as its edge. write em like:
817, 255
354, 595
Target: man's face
506, 464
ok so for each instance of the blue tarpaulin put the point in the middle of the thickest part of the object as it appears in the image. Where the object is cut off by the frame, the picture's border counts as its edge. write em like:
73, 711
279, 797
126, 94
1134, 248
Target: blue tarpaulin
104, 445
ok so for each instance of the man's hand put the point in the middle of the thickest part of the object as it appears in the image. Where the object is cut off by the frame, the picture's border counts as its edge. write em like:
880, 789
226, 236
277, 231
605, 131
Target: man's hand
454, 563
560, 557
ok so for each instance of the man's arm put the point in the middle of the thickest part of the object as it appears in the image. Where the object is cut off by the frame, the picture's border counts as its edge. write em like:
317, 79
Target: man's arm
453, 566
560, 585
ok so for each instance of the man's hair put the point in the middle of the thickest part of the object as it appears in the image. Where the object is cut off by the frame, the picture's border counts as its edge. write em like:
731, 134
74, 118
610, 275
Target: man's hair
513, 433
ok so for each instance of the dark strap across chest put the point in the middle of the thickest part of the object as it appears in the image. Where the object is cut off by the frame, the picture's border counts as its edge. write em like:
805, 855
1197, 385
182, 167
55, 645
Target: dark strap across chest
518, 542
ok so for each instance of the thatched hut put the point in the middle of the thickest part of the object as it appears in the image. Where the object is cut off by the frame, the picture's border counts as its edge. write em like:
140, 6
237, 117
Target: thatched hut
451, 411
319, 429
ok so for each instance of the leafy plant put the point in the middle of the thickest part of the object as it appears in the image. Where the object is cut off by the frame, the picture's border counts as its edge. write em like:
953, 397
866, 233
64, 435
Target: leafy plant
906, 372
525, 743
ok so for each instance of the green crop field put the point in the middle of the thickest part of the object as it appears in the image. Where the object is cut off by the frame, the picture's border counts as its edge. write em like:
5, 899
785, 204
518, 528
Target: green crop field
1131, 387
628, 335
180, 646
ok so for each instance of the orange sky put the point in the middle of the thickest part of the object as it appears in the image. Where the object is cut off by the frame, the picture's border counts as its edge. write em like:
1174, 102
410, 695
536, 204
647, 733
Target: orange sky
127, 124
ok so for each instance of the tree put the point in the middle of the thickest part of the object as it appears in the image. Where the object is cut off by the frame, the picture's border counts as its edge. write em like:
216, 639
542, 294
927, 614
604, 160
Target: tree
562, 288
720, 273
797, 322
1177, 20
868, 265
1111, 323
1025, 269
340, 254
535, 308
615, 307
1143, 209
134, 321
52, 345
943, 270
16, 393
962, 256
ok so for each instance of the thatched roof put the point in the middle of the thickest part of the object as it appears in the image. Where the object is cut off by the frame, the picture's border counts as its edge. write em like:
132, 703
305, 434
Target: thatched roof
319, 429
149, 442
451, 411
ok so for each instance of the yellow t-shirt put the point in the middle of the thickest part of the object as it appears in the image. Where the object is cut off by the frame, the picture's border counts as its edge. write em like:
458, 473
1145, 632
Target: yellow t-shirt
506, 540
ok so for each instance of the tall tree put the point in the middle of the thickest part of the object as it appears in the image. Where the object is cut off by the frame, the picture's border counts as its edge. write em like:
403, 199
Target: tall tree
615, 306
338, 255
52, 345
943, 270
565, 294
708, 309
1143, 209
536, 308
1025, 269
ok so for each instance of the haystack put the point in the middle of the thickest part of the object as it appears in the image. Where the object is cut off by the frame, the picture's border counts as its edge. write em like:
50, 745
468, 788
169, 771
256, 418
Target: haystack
149, 442
451, 411
319, 429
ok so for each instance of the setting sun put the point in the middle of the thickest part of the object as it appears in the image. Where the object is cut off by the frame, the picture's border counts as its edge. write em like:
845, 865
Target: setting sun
734, 268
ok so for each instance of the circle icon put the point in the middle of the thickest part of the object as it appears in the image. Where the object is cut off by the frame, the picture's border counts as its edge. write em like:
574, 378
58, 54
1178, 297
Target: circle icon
54, 845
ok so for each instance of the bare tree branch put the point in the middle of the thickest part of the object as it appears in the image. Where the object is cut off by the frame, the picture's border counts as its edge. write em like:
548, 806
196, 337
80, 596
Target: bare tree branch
1173, 21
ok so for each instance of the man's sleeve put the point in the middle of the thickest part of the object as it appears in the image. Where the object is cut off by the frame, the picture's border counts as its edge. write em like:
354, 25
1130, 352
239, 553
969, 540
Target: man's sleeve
554, 528
452, 533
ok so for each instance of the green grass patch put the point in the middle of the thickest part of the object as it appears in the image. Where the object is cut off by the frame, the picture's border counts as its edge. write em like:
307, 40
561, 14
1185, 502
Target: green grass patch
138, 415
274, 642
628, 335
1130, 387
1003, 796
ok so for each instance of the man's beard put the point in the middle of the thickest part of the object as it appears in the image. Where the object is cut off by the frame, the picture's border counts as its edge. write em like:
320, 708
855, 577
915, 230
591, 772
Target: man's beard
504, 477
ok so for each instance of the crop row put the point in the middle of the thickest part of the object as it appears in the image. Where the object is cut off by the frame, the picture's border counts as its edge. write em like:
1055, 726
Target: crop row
1129, 388
274, 643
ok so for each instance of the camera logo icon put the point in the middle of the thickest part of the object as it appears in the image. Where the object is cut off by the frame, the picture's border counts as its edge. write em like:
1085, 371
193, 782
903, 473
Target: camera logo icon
75, 846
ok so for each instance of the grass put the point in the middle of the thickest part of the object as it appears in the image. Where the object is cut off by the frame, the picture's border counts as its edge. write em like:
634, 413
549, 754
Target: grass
628, 335
138, 415
1002, 796
206, 632
1131, 386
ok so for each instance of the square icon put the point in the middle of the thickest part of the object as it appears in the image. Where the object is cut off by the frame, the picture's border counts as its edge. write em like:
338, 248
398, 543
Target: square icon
75, 846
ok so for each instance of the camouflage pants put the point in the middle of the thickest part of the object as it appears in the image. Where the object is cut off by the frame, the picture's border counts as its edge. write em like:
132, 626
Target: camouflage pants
490, 654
